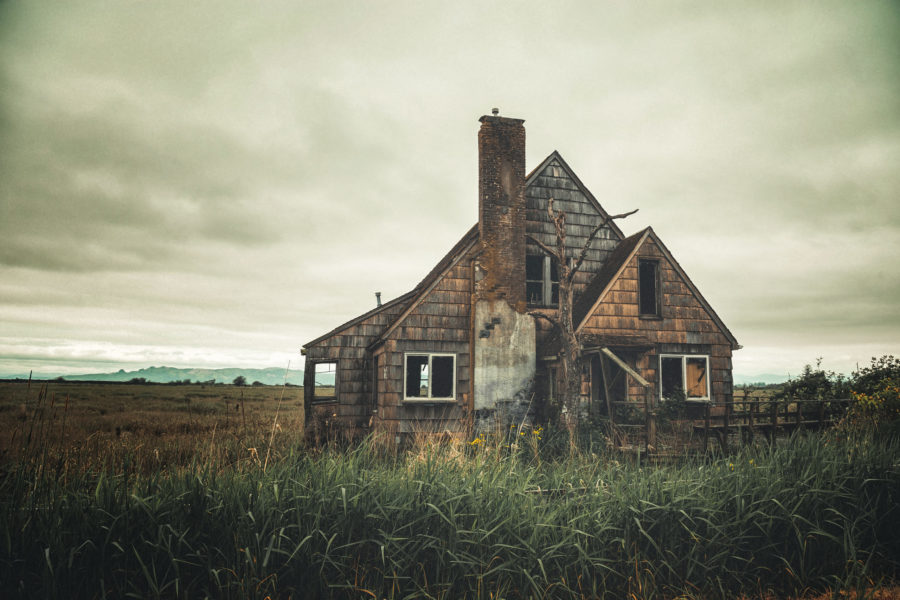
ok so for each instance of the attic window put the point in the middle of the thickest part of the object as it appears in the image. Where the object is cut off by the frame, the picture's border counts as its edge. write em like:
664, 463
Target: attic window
648, 288
541, 281
430, 377
324, 381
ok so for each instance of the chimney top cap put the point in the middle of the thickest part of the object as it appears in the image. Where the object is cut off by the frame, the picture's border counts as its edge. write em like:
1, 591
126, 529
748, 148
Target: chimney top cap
495, 111
495, 118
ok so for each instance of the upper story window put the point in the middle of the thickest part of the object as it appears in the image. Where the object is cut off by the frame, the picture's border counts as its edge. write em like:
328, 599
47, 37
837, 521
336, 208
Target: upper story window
541, 281
429, 377
648, 288
325, 381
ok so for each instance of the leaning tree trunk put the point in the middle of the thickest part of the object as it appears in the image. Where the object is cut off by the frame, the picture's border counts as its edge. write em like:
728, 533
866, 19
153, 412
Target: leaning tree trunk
570, 357
568, 376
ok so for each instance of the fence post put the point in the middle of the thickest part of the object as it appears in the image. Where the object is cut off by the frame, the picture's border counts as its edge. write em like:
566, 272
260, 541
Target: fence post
706, 428
750, 417
773, 410
724, 437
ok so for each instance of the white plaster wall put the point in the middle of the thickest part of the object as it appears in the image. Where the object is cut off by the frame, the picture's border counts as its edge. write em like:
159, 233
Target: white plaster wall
504, 362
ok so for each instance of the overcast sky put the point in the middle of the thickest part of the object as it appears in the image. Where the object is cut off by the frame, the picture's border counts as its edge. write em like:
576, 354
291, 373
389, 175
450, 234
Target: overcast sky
216, 183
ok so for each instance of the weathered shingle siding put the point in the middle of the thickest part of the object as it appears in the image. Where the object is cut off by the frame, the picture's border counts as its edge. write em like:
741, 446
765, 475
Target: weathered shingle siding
685, 327
348, 347
440, 323
581, 218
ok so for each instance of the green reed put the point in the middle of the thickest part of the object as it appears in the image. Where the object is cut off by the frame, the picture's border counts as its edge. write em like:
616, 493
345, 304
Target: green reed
447, 522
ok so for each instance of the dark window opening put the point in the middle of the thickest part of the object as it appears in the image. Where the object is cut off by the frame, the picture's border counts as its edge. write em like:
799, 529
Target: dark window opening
648, 286
416, 376
672, 376
442, 381
430, 376
534, 279
541, 281
324, 380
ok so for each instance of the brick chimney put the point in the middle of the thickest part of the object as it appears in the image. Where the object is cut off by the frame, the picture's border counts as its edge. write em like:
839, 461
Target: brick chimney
501, 208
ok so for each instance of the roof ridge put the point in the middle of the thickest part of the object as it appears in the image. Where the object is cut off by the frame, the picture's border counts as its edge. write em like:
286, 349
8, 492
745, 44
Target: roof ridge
448, 261
535, 173
687, 280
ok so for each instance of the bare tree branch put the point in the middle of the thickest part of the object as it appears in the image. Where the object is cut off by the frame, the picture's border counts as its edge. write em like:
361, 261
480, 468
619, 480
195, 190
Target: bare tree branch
541, 315
584, 249
568, 375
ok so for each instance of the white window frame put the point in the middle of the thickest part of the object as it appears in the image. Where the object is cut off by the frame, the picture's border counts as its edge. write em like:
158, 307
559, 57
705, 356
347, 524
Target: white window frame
684, 358
429, 398
333, 396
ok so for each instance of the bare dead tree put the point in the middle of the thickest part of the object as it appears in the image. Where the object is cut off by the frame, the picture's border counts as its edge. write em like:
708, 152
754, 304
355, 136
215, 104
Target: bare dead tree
568, 376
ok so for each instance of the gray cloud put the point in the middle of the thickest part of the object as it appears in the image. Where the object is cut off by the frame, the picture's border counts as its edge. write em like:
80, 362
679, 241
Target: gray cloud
229, 180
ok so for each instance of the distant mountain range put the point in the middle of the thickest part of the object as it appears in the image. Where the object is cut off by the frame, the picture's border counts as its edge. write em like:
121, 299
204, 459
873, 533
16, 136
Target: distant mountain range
270, 376
766, 378
275, 376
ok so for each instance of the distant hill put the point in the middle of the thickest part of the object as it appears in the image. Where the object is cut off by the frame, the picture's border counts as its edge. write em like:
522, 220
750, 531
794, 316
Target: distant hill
275, 376
766, 378
270, 376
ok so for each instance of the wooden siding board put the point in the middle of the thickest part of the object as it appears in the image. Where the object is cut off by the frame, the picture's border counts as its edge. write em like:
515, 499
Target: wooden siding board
439, 323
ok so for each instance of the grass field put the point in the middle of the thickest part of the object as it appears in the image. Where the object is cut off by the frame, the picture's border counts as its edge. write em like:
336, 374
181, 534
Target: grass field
177, 506
155, 426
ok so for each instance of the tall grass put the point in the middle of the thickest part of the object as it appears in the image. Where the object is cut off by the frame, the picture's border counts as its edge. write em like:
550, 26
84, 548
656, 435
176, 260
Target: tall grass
443, 522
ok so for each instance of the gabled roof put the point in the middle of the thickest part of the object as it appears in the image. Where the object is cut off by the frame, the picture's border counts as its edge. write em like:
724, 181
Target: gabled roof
536, 172
398, 300
616, 262
434, 276
687, 280
596, 289
413, 296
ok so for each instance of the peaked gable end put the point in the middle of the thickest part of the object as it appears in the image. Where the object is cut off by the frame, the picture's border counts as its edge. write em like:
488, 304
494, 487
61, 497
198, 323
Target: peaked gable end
612, 302
434, 277
553, 178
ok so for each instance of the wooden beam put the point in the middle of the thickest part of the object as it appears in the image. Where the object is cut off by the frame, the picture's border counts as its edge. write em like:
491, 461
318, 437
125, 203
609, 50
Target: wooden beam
625, 367
609, 411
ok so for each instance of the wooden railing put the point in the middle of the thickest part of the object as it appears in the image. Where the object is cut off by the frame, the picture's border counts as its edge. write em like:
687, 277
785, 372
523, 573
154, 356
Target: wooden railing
771, 417
748, 416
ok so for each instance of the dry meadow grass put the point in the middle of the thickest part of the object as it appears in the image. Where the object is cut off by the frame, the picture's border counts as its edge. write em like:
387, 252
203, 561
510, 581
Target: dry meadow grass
146, 427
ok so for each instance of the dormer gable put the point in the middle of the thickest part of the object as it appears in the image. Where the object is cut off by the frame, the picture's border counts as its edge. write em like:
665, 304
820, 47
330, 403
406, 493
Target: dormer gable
642, 287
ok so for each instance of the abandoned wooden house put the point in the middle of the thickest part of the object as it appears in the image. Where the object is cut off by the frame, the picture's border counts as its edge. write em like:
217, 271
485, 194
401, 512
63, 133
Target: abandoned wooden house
463, 347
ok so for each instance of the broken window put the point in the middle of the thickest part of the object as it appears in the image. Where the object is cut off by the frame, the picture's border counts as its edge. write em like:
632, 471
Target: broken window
324, 380
695, 378
688, 375
648, 287
541, 281
430, 376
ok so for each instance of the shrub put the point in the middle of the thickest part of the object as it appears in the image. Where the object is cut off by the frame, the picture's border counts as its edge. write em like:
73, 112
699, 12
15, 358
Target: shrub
868, 379
816, 384
875, 391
